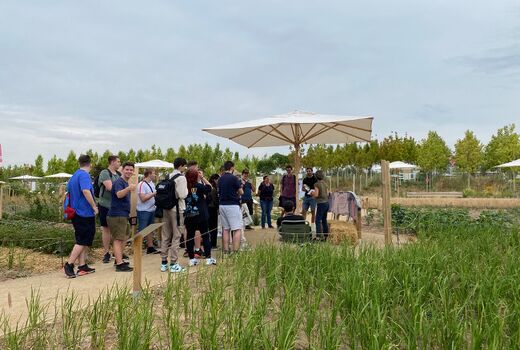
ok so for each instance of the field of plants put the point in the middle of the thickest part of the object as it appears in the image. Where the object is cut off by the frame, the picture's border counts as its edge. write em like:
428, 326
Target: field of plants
455, 288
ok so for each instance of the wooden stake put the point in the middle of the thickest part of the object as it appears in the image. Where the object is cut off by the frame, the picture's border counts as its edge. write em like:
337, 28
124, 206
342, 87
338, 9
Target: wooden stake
387, 214
138, 241
1, 200
358, 223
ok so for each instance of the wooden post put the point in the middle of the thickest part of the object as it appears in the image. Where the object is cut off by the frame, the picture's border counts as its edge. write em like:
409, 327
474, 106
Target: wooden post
1, 199
137, 241
358, 223
387, 214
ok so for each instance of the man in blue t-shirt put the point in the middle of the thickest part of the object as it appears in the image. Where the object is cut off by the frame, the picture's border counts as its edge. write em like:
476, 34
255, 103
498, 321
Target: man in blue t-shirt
117, 217
81, 194
247, 196
230, 190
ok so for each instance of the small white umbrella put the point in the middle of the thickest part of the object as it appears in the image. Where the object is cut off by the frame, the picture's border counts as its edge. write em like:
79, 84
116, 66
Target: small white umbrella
59, 176
156, 163
513, 164
25, 178
402, 165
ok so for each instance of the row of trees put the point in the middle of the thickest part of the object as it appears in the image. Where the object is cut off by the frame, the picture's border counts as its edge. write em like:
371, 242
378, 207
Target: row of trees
432, 154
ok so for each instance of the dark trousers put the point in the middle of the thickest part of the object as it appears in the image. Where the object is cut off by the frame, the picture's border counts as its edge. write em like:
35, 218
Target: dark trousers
201, 226
213, 225
267, 206
249, 203
321, 219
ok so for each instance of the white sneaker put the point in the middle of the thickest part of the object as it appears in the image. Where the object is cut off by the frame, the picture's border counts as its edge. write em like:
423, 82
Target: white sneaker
176, 268
211, 261
193, 262
164, 267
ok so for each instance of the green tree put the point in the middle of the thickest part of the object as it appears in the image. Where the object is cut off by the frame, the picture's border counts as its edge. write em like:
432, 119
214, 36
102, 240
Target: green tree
503, 147
103, 161
170, 155
394, 148
433, 154
55, 165
38, 166
71, 163
266, 165
131, 155
468, 154
94, 157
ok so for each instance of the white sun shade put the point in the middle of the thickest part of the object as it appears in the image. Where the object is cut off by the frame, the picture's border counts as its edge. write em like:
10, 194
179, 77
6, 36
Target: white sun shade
156, 163
59, 176
297, 128
25, 177
402, 165
513, 164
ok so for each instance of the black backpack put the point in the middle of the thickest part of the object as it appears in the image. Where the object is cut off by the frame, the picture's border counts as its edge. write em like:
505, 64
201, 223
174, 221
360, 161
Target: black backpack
97, 186
166, 197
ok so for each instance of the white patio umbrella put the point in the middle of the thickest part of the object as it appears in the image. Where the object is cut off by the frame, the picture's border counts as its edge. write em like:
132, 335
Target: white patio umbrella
59, 176
25, 178
156, 163
296, 129
402, 165
513, 164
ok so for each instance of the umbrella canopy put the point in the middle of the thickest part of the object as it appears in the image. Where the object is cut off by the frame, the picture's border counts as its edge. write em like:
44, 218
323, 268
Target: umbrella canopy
295, 129
513, 164
59, 176
156, 163
25, 177
402, 165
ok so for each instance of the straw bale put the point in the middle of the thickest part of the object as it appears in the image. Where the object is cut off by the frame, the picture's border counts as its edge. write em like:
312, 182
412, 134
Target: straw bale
342, 231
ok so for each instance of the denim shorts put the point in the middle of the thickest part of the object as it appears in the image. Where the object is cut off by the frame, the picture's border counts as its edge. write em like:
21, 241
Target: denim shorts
309, 202
145, 219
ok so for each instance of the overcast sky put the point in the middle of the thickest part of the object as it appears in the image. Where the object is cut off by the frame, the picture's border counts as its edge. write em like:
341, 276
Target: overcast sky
121, 74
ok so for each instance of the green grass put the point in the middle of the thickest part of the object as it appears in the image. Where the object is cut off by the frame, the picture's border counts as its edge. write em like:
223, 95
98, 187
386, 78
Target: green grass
456, 288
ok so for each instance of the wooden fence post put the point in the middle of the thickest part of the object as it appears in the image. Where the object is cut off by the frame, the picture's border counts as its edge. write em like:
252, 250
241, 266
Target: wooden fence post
358, 223
137, 240
1, 199
387, 214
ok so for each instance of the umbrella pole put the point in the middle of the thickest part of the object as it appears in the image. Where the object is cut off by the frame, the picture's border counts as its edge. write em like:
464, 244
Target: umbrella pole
297, 166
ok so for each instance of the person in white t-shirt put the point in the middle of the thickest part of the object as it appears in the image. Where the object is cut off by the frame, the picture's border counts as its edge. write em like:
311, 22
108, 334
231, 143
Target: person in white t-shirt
146, 207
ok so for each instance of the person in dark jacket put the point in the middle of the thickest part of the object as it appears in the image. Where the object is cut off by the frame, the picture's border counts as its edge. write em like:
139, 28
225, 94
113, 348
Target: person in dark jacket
212, 201
196, 215
265, 192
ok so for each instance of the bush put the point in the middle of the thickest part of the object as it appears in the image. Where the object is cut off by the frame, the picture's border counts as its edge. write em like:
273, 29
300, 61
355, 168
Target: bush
416, 219
42, 237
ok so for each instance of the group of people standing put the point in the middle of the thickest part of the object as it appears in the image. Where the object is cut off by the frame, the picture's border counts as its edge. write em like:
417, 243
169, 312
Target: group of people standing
190, 217
196, 205
315, 200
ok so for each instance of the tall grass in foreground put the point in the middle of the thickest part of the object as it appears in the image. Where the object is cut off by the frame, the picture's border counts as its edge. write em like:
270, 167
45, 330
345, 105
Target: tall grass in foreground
456, 288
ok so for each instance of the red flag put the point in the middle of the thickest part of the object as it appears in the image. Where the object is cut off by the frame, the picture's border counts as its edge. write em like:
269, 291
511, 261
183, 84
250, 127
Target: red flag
1, 154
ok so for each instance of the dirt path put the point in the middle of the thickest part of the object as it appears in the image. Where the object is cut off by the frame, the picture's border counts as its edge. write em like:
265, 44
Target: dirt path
15, 292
